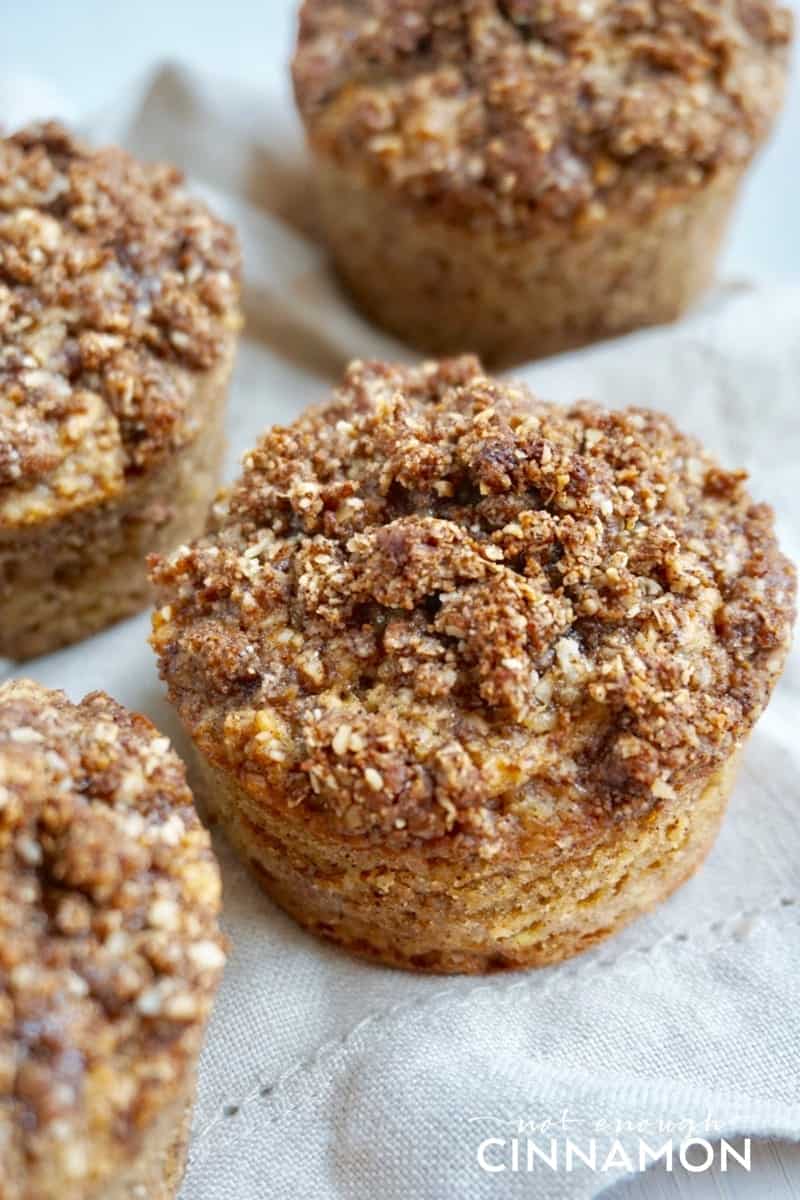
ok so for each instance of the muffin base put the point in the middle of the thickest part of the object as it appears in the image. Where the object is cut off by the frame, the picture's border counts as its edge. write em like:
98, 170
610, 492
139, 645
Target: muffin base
158, 1169
67, 579
446, 290
421, 911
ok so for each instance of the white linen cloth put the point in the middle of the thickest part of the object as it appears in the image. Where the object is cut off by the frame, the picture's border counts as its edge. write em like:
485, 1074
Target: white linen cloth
329, 1078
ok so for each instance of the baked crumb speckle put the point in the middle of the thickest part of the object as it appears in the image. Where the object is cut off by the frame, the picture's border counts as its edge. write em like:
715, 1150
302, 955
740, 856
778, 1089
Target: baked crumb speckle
438, 607
115, 287
515, 112
110, 953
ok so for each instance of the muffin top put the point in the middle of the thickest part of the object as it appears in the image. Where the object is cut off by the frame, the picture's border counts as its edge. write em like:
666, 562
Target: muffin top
438, 608
110, 952
517, 112
116, 288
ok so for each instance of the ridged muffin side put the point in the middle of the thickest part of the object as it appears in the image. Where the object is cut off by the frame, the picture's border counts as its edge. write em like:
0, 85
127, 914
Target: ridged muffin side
515, 178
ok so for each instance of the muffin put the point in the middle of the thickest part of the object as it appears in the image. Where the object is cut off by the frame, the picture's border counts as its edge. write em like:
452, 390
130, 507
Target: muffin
516, 178
110, 952
118, 320
468, 673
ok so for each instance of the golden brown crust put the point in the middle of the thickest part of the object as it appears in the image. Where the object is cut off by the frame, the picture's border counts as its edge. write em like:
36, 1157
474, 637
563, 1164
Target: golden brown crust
110, 952
157, 1171
512, 113
439, 611
116, 291
424, 911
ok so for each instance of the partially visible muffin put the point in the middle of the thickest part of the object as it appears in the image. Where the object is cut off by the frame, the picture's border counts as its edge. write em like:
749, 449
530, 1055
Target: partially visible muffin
514, 177
118, 318
469, 673
110, 951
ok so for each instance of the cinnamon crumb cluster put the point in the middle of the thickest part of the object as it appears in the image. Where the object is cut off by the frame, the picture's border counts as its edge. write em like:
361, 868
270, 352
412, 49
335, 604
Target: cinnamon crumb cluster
437, 606
115, 287
110, 953
514, 111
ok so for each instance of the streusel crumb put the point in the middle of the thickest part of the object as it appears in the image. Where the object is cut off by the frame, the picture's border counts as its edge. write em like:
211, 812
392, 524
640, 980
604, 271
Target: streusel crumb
110, 277
437, 607
110, 952
517, 112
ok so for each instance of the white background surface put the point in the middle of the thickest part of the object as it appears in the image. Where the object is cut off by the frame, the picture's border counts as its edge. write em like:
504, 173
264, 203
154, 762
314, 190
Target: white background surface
90, 51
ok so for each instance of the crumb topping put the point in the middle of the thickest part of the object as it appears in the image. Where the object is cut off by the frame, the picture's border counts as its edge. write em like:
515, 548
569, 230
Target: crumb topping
516, 111
439, 607
115, 288
110, 952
